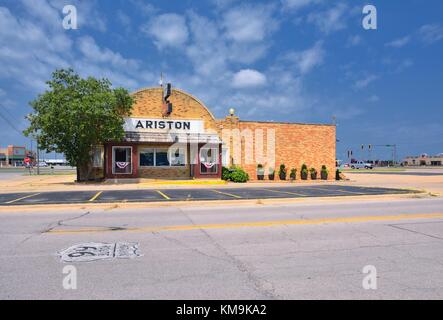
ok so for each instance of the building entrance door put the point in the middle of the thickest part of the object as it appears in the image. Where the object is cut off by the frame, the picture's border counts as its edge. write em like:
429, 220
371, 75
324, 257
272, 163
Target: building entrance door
122, 160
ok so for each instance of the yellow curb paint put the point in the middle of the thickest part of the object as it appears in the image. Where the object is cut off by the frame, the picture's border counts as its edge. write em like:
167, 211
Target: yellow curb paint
95, 196
286, 192
15, 200
192, 182
227, 194
163, 195
258, 224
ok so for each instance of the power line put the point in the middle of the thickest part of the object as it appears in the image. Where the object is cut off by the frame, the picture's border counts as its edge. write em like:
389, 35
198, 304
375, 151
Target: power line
8, 121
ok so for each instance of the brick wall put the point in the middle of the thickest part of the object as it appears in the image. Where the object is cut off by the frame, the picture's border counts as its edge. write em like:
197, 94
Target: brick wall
295, 144
148, 104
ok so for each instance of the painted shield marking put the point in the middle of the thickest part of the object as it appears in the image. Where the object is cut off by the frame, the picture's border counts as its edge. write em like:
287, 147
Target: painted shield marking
92, 251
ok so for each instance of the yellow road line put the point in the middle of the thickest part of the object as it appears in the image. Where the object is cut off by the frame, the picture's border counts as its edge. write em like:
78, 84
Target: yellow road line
340, 190
26, 197
227, 194
95, 196
354, 219
163, 195
287, 192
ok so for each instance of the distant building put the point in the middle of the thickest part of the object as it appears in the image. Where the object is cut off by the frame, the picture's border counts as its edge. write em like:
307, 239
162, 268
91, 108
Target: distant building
56, 162
424, 160
14, 155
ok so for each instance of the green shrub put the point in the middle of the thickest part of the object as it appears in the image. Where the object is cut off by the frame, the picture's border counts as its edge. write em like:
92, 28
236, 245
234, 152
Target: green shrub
324, 172
260, 169
225, 173
304, 172
238, 175
293, 173
234, 174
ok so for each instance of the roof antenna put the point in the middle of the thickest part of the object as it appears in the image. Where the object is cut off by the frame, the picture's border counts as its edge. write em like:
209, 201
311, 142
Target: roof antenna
161, 80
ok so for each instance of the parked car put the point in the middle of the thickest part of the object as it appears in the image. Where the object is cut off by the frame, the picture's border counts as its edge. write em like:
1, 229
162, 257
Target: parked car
344, 166
361, 165
42, 164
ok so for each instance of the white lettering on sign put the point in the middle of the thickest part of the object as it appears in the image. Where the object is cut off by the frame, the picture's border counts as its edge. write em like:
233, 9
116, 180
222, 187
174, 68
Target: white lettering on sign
163, 125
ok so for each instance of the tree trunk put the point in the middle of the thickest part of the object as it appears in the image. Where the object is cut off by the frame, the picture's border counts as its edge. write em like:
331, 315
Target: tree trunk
84, 172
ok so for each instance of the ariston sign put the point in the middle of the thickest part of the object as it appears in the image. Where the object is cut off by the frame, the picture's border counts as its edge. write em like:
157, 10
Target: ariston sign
163, 125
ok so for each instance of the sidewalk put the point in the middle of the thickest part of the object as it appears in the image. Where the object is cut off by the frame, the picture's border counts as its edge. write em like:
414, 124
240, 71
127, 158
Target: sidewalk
67, 183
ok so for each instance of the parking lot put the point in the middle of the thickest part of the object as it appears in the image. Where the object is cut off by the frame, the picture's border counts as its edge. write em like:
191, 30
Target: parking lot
162, 195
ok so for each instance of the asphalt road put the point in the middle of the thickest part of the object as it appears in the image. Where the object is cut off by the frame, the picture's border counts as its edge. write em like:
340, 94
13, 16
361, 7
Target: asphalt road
295, 251
188, 194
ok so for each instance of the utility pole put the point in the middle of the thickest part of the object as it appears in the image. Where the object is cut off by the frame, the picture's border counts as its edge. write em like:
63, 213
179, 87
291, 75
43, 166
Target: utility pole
38, 159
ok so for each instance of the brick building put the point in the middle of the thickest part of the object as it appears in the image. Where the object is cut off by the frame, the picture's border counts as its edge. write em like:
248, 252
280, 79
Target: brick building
14, 155
177, 137
424, 160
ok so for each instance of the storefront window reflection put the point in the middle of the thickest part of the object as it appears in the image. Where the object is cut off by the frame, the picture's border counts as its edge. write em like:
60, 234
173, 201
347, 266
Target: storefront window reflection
178, 157
163, 157
147, 158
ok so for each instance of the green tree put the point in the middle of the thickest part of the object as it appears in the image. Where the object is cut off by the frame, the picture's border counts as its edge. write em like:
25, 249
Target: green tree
76, 114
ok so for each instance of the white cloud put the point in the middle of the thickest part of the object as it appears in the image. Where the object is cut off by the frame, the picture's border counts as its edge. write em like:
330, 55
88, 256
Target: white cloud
330, 20
146, 8
366, 81
374, 98
207, 52
398, 43
249, 23
353, 41
431, 33
43, 11
30, 52
247, 78
298, 4
306, 60
168, 30
92, 52
124, 19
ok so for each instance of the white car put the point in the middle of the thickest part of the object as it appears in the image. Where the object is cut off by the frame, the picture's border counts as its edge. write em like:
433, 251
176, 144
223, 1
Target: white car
42, 164
361, 165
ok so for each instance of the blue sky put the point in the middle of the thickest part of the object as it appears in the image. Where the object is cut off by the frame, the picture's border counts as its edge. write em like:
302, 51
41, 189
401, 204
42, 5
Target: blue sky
288, 60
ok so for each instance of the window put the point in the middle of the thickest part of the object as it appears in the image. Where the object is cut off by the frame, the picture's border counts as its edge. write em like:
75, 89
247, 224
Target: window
225, 156
97, 156
147, 157
163, 157
178, 157
122, 160
208, 160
